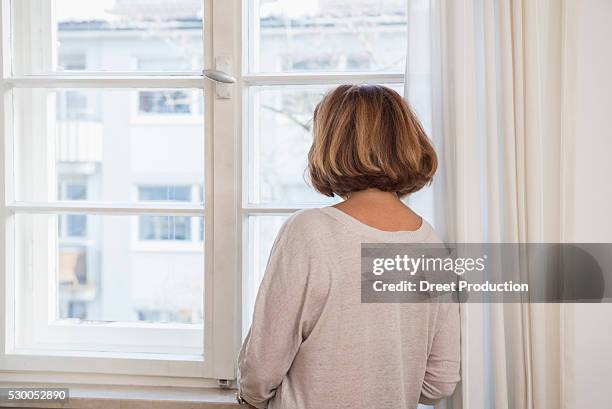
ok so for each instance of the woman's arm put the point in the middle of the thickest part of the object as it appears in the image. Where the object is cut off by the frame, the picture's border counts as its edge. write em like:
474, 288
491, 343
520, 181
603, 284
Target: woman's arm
442, 371
280, 316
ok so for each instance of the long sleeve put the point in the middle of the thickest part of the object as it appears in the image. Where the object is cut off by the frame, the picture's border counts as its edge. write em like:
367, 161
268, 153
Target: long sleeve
442, 371
284, 313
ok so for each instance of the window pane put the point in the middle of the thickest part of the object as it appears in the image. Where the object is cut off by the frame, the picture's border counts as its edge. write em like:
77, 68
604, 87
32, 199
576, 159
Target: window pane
107, 275
328, 35
113, 35
104, 145
280, 136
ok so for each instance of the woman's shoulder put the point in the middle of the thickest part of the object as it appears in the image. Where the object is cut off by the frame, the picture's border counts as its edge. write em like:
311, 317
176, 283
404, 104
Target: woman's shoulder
306, 221
306, 231
308, 224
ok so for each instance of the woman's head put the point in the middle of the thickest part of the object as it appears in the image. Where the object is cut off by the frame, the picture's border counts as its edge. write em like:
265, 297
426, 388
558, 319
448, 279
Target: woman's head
366, 136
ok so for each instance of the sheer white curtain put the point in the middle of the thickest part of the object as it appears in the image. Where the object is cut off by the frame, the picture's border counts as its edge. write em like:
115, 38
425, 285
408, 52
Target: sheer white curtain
498, 76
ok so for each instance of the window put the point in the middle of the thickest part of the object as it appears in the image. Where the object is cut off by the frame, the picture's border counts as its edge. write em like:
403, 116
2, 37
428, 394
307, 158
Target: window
71, 62
144, 200
295, 54
165, 193
168, 228
155, 102
86, 299
171, 106
72, 105
72, 225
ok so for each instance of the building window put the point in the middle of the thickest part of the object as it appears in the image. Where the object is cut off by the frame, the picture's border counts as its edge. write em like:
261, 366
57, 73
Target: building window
76, 292
164, 228
72, 225
177, 193
77, 105
75, 288
76, 191
167, 103
76, 225
72, 105
71, 62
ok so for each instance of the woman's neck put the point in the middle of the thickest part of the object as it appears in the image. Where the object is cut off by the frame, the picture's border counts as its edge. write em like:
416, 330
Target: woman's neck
374, 196
381, 210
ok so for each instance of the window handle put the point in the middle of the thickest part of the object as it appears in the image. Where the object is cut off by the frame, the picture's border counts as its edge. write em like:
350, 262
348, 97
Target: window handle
219, 76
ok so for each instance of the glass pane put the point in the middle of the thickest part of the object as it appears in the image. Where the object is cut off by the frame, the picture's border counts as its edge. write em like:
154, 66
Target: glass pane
109, 273
106, 145
328, 35
262, 231
113, 35
280, 136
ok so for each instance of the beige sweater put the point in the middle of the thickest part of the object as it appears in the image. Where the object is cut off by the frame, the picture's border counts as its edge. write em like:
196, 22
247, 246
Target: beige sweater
313, 344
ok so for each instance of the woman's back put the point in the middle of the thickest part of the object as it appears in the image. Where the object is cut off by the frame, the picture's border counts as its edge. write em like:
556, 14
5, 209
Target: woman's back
314, 344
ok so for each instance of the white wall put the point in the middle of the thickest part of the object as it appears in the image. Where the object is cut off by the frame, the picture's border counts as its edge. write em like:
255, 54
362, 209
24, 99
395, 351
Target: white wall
593, 192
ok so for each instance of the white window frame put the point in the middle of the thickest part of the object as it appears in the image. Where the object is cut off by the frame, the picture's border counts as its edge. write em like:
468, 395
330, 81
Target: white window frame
229, 35
221, 336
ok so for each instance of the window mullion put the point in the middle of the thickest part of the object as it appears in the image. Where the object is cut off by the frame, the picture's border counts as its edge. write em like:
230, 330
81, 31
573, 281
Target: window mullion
226, 197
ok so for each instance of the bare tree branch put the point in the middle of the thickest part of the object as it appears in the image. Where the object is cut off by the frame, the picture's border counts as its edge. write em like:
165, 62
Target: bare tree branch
292, 118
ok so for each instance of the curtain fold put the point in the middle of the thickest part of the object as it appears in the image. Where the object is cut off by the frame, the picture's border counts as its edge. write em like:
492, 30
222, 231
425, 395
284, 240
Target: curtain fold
496, 85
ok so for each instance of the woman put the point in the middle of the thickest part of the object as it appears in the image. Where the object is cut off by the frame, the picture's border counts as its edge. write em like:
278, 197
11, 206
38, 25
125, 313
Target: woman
312, 343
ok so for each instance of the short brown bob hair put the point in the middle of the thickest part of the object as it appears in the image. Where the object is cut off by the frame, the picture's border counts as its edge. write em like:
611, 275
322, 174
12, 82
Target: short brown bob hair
366, 136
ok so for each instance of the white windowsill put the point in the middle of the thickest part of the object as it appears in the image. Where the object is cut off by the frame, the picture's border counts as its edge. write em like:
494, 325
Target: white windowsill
132, 397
